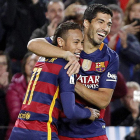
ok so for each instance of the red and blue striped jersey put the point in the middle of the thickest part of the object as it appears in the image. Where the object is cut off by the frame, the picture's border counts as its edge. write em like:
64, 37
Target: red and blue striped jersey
98, 70
49, 92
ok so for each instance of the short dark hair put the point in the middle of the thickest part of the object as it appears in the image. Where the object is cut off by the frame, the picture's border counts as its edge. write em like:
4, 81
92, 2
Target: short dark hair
62, 30
116, 8
92, 10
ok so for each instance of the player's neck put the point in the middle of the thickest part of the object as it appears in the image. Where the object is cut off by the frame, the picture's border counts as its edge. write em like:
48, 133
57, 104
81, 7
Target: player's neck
89, 47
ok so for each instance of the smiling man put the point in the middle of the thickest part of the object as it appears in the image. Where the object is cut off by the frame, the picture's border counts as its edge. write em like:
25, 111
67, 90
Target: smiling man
50, 92
96, 79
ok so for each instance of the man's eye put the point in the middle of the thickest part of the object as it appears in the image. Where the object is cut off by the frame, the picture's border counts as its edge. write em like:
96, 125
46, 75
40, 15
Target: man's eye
100, 21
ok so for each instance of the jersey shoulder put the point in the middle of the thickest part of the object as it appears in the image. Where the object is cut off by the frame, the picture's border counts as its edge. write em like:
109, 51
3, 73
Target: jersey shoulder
110, 52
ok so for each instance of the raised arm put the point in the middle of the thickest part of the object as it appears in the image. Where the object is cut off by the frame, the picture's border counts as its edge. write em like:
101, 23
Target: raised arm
42, 47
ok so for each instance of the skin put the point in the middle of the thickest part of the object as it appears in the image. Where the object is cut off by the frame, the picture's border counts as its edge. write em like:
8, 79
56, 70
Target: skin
3, 72
74, 43
117, 22
3, 64
100, 24
30, 63
134, 13
55, 14
55, 10
133, 106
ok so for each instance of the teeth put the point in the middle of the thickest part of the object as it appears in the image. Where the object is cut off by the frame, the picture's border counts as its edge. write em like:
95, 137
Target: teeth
77, 54
102, 34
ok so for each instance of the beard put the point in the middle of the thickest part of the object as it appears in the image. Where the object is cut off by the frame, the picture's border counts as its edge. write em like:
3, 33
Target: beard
92, 40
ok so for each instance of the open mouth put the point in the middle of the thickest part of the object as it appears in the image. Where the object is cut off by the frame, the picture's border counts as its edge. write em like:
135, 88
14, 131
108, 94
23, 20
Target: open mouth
77, 54
101, 35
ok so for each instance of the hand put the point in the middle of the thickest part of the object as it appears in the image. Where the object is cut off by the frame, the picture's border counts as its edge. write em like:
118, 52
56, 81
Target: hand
52, 27
112, 41
133, 107
123, 37
94, 113
73, 64
131, 28
4, 79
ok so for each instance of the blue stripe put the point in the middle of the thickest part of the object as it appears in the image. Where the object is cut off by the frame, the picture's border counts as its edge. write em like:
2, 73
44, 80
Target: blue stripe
46, 99
127, 130
48, 78
36, 116
107, 132
117, 133
25, 134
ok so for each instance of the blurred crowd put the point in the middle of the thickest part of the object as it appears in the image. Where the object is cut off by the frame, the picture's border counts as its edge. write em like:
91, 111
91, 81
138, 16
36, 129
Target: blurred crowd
23, 20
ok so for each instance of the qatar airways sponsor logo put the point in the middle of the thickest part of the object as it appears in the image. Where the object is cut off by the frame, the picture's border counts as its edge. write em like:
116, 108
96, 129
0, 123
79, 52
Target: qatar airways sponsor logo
89, 81
112, 77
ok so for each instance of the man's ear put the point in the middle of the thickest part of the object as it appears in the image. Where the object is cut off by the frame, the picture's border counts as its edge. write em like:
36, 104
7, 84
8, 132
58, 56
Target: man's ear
60, 42
86, 23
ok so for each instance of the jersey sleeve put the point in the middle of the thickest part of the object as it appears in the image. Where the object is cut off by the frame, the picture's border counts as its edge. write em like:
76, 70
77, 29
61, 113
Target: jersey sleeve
67, 96
49, 39
108, 78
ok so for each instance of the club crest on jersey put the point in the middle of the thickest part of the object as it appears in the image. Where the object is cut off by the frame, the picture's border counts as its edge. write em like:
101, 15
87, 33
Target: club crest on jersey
100, 66
86, 65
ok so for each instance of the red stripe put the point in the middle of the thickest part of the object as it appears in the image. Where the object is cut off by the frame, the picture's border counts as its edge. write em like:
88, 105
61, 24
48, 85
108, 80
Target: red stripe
93, 65
41, 109
102, 113
39, 64
49, 67
106, 64
34, 125
45, 88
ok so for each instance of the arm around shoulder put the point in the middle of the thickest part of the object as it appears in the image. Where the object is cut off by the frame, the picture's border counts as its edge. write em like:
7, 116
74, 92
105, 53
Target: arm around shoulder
42, 47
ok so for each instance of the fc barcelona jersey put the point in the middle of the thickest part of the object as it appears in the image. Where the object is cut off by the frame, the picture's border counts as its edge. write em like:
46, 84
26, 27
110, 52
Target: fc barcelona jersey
98, 70
38, 118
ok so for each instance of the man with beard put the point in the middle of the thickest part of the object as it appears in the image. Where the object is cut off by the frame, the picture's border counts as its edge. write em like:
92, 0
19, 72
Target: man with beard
96, 78
54, 16
50, 92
